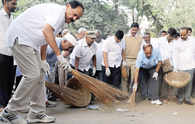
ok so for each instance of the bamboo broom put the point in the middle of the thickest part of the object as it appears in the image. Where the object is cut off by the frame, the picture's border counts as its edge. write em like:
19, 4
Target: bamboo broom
103, 92
74, 94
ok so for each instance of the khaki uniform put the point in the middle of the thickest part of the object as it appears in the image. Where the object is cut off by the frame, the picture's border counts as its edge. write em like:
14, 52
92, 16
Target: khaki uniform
132, 47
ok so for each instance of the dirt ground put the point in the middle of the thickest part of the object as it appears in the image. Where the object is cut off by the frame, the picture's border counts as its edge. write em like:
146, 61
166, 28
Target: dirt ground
143, 113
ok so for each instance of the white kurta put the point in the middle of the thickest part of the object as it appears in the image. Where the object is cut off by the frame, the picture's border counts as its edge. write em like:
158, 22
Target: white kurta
184, 54
5, 21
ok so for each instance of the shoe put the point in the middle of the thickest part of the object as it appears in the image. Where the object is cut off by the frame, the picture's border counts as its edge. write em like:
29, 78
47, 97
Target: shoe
157, 102
50, 104
189, 102
52, 98
179, 102
26, 110
41, 118
193, 95
4, 121
12, 118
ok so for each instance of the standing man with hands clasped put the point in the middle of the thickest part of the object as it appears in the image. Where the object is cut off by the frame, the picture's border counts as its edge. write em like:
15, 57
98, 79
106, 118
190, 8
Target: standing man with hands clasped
7, 69
148, 64
28, 36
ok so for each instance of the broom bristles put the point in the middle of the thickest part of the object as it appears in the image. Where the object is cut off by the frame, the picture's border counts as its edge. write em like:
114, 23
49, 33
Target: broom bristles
79, 97
103, 92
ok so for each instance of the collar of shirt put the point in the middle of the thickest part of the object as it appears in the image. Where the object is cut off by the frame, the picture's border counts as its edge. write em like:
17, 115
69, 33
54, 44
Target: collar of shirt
188, 39
129, 34
5, 13
84, 43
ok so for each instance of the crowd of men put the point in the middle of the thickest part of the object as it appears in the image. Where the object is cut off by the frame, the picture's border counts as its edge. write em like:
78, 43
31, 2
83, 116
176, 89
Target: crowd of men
35, 48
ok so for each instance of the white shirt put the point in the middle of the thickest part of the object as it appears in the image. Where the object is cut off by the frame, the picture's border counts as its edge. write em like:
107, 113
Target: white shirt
84, 53
166, 48
184, 54
114, 51
5, 21
29, 25
153, 42
99, 55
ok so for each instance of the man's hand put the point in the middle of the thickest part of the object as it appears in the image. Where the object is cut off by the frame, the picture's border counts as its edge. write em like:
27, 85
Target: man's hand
175, 70
108, 73
94, 71
63, 63
124, 63
45, 66
155, 75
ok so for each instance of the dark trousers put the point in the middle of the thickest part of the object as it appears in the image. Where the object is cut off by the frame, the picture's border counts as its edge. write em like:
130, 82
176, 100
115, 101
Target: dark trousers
99, 75
7, 77
18, 79
115, 78
149, 87
185, 92
193, 84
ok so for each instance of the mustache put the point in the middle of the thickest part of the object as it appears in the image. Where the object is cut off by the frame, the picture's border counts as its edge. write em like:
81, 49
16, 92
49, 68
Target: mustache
72, 20
13, 9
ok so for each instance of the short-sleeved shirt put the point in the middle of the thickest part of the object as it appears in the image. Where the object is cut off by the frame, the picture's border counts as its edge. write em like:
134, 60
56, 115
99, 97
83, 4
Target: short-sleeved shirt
153, 42
114, 51
51, 56
166, 48
184, 54
99, 55
29, 25
5, 21
143, 62
85, 54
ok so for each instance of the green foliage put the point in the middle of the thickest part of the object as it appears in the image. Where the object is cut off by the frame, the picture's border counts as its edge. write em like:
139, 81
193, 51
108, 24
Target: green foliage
103, 17
98, 15
164, 14
109, 18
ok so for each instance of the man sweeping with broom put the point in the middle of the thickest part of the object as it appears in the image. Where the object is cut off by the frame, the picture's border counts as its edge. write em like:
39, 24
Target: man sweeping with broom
148, 65
28, 36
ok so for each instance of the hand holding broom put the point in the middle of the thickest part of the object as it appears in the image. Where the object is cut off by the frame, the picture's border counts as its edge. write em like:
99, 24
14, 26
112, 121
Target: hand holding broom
124, 70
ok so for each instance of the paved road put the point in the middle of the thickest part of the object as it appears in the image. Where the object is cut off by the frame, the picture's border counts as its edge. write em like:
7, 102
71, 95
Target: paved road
143, 113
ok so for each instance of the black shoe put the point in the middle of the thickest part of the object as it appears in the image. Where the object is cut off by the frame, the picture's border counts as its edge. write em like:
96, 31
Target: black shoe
52, 98
189, 102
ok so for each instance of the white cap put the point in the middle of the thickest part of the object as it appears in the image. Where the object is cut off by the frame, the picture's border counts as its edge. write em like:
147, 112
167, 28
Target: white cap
92, 34
70, 38
82, 30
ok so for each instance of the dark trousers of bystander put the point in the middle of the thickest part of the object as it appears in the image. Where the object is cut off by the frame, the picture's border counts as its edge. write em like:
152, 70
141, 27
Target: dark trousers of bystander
7, 77
115, 78
99, 75
149, 87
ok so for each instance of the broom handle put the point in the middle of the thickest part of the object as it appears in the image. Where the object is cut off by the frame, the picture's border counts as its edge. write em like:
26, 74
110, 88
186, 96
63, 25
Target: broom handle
133, 94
